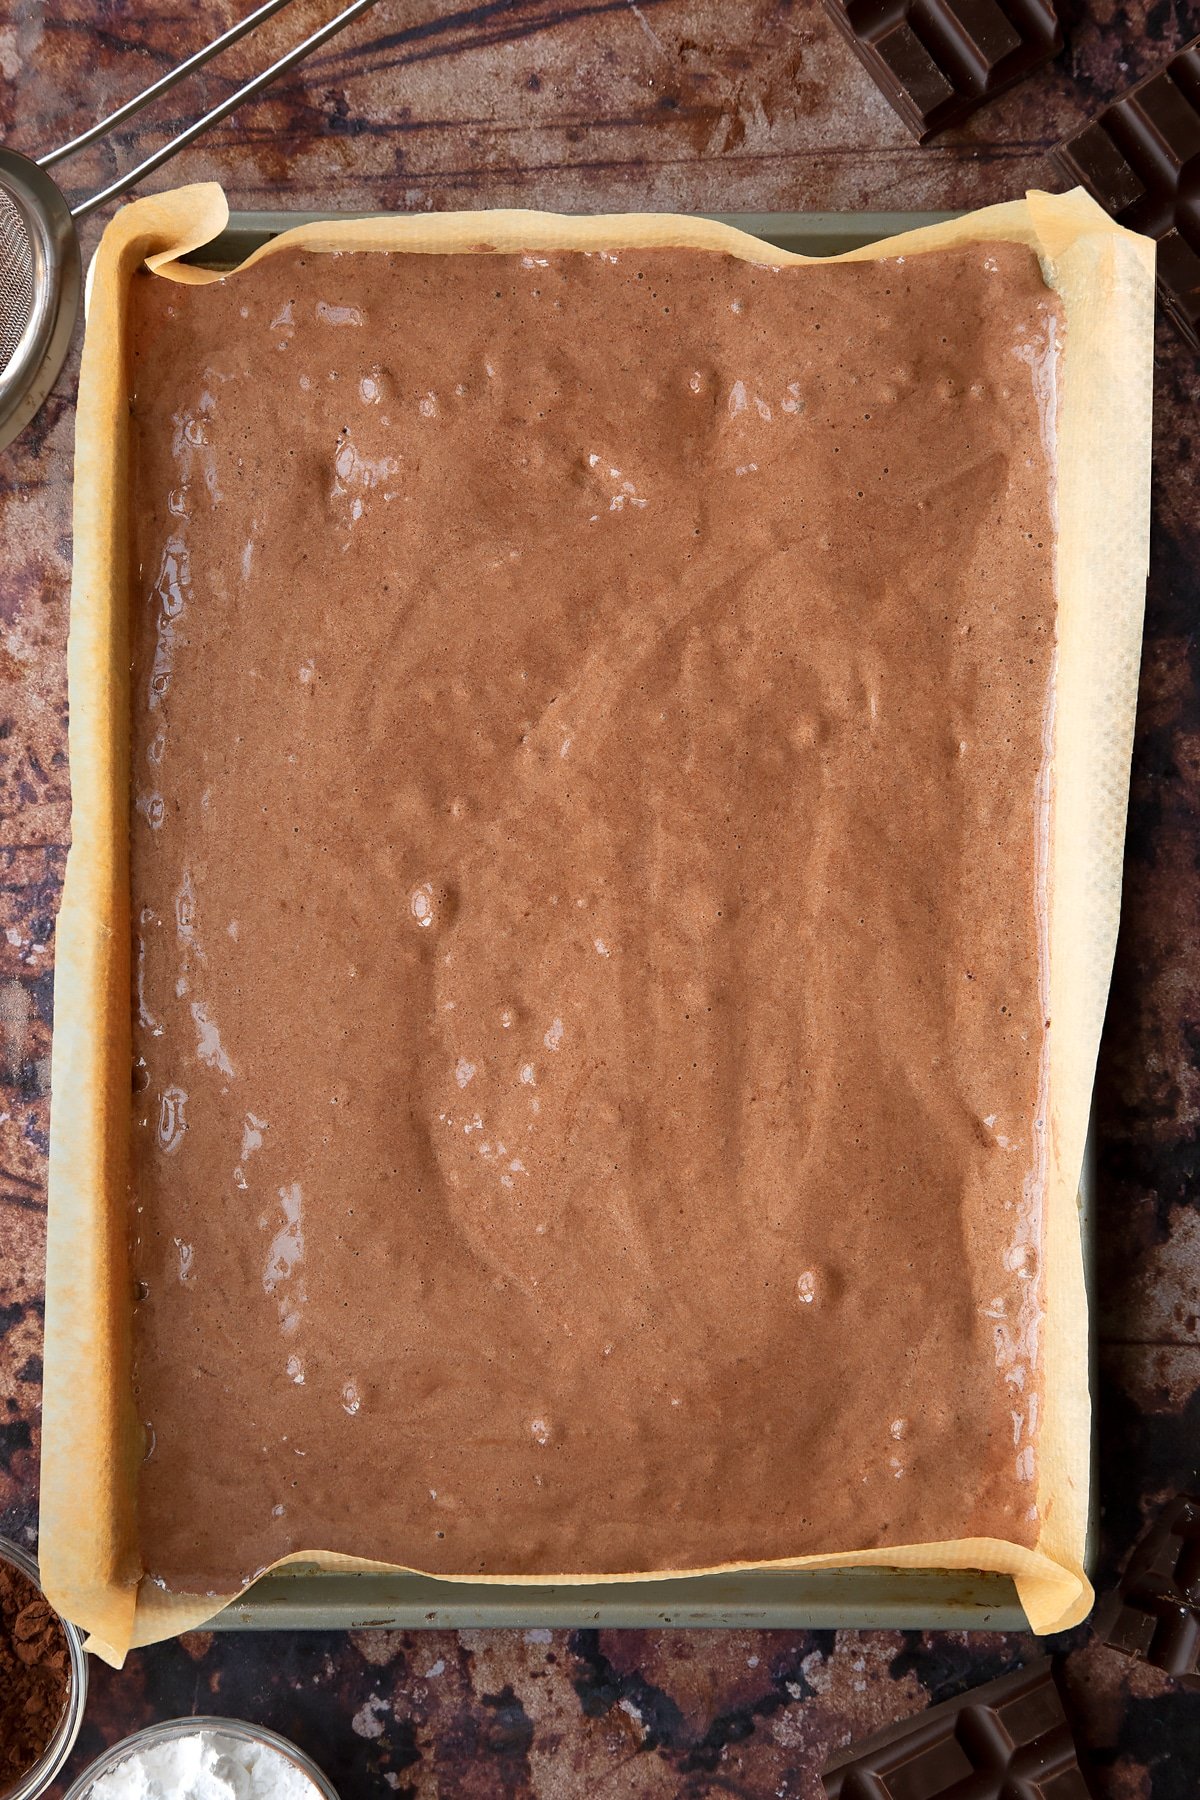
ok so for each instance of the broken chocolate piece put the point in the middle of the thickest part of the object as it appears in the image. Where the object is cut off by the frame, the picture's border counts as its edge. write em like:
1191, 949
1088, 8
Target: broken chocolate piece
1139, 160
1155, 1612
937, 60
1009, 1737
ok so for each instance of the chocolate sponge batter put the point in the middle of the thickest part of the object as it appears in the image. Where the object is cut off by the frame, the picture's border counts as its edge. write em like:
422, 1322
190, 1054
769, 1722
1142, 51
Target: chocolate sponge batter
590, 767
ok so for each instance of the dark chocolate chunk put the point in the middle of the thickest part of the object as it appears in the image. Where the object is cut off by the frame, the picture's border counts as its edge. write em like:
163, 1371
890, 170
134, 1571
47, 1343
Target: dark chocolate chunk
1141, 160
1008, 1738
937, 60
1155, 1612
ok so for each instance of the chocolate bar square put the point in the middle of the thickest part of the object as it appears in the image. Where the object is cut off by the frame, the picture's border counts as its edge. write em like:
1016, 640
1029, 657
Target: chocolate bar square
1007, 1738
1141, 161
1155, 1612
937, 60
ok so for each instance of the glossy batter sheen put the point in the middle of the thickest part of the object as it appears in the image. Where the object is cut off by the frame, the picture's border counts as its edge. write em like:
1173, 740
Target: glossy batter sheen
590, 722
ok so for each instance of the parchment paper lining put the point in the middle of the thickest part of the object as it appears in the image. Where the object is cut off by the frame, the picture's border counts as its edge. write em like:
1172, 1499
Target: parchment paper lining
91, 1437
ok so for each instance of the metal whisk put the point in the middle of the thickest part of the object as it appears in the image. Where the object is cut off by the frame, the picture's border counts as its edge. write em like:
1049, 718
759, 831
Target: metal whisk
40, 269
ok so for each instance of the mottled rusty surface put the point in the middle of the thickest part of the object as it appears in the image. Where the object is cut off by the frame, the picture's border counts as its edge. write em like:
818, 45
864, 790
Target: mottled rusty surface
589, 106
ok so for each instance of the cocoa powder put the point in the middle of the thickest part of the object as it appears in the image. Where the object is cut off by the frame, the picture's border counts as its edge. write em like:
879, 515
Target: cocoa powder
35, 1675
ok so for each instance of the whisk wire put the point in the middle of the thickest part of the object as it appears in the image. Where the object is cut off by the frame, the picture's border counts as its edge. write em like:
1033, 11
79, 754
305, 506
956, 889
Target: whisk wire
247, 91
164, 84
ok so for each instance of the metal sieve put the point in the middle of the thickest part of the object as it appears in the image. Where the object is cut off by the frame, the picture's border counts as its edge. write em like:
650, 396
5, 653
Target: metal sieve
40, 267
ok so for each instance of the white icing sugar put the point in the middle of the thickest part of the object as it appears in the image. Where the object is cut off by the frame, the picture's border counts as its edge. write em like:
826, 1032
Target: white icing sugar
205, 1765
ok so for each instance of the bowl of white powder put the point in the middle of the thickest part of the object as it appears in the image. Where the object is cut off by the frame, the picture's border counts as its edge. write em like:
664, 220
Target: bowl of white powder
203, 1759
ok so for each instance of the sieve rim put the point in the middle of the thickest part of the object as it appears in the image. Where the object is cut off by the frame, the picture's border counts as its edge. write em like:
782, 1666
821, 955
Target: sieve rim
42, 347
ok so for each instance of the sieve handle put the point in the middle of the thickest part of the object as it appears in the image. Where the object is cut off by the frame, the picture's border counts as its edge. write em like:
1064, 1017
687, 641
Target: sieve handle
163, 85
247, 91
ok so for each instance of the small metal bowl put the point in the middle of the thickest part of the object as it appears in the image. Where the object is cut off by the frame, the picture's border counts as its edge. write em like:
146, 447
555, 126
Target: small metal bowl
49, 1765
239, 1729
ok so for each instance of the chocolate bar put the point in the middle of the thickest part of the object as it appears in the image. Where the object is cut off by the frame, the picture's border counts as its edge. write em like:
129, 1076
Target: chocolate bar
1139, 159
1007, 1738
937, 60
1155, 1612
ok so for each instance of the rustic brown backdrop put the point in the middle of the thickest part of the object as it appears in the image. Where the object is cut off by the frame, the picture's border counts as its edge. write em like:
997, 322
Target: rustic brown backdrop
606, 104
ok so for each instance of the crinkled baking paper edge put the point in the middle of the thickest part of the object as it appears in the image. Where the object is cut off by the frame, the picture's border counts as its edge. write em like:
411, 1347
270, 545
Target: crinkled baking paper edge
91, 1436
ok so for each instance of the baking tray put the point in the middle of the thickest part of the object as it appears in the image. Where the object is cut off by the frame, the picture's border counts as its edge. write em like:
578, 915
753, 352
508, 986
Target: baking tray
307, 1598
812, 234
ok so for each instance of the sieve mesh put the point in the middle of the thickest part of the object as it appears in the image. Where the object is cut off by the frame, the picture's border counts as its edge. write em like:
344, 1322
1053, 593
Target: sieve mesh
16, 278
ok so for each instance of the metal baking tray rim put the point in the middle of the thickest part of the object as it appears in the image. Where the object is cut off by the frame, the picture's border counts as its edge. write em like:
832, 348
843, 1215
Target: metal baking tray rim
306, 1597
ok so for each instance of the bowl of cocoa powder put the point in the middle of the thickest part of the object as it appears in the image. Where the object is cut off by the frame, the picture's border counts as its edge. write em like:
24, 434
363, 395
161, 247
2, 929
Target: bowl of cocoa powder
43, 1681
